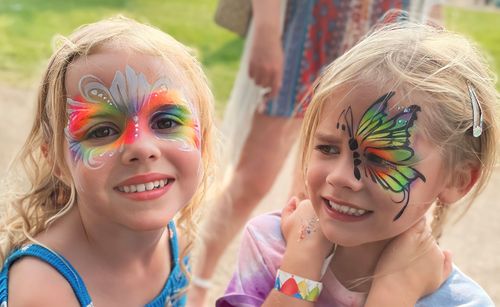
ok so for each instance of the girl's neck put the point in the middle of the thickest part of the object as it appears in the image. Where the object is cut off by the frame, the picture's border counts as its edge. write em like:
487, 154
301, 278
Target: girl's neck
111, 257
112, 244
352, 264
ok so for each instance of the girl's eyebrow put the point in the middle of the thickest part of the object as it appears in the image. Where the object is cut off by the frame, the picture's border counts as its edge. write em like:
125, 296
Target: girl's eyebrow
326, 137
103, 115
171, 106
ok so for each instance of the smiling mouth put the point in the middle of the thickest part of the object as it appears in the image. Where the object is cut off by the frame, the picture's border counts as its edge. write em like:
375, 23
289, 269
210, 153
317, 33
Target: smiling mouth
148, 186
344, 209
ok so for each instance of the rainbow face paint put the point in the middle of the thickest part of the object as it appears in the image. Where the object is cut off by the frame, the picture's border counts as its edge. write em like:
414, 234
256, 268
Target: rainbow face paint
103, 120
381, 146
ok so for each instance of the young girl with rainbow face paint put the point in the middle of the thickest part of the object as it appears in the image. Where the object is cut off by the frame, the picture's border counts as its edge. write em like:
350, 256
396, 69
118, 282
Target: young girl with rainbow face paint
118, 160
403, 124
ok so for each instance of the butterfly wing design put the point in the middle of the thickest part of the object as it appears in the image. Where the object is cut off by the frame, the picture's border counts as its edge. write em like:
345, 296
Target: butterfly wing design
384, 143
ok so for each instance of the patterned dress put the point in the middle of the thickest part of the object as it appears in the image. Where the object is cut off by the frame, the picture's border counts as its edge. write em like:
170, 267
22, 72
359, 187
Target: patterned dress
315, 33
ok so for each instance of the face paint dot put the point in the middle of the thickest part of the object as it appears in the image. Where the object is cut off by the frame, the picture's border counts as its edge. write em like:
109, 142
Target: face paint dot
136, 135
136, 118
406, 110
110, 154
401, 121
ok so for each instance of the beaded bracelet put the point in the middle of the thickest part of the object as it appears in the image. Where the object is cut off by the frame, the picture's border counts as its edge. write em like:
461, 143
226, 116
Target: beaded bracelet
298, 287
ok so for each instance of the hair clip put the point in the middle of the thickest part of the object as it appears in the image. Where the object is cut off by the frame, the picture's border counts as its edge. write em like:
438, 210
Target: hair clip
477, 112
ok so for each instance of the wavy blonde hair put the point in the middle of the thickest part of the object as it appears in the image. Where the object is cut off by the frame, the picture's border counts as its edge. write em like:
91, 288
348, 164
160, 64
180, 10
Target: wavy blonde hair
48, 197
434, 65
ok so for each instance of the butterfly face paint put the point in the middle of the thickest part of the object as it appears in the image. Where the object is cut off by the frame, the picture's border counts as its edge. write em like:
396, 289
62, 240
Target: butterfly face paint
103, 120
381, 146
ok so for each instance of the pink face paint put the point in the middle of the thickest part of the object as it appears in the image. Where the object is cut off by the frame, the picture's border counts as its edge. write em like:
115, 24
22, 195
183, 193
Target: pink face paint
102, 121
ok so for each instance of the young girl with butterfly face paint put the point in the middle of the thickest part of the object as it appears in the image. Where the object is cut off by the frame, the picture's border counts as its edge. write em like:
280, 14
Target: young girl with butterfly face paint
119, 150
402, 123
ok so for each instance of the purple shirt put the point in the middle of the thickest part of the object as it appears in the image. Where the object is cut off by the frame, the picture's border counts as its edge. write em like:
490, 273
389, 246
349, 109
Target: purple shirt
260, 256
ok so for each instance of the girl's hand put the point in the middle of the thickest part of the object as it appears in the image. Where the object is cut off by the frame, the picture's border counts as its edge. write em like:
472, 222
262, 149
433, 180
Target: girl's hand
410, 267
301, 229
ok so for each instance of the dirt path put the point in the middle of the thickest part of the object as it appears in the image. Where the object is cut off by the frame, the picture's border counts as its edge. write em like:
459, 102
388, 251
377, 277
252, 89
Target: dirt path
473, 240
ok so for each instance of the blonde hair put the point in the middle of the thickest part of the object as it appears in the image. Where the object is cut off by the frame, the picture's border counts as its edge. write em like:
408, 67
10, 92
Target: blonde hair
51, 193
434, 64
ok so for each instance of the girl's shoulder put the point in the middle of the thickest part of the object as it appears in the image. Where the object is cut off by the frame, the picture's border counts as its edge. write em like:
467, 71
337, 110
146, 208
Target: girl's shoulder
33, 282
458, 290
35, 275
266, 229
263, 239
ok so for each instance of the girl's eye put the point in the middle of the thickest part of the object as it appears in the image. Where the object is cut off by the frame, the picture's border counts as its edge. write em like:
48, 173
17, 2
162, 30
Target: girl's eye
102, 132
328, 149
165, 121
373, 158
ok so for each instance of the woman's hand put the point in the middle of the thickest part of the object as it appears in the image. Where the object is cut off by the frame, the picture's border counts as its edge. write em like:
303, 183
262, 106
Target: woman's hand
266, 61
266, 53
411, 266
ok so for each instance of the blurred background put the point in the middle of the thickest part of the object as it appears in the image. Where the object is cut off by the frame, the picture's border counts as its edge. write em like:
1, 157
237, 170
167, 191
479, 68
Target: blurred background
27, 28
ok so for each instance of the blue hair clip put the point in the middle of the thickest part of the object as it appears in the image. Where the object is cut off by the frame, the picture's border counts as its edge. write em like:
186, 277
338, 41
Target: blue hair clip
477, 112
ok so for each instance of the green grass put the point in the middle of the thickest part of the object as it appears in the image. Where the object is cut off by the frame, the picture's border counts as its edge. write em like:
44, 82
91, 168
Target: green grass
28, 26
481, 26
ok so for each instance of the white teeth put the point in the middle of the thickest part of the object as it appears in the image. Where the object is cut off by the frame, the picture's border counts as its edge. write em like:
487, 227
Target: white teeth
346, 210
148, 186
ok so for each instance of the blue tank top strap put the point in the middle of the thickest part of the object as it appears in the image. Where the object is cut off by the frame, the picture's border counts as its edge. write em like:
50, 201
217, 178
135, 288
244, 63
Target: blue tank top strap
173, 292
173, 243
55, 260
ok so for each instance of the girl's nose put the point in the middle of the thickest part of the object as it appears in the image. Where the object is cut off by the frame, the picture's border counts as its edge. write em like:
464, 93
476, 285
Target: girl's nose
342, 174
143, 148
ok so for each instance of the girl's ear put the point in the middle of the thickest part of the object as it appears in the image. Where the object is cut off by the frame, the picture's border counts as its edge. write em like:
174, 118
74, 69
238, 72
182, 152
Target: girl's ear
45, 151
463, 178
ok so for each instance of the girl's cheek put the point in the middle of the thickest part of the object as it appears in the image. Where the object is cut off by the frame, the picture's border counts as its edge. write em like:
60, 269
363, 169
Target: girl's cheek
94, 157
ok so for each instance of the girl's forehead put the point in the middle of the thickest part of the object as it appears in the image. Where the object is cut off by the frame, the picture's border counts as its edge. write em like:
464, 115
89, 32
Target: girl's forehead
104, 65
360, 98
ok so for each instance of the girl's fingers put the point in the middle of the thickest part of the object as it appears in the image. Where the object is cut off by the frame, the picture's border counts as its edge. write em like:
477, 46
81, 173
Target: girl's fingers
290, 207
